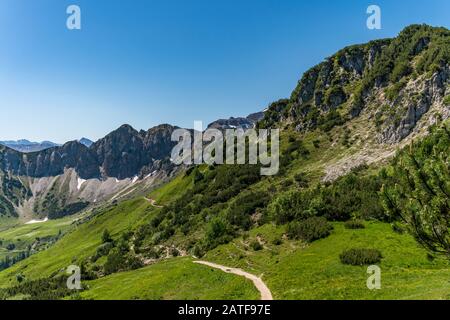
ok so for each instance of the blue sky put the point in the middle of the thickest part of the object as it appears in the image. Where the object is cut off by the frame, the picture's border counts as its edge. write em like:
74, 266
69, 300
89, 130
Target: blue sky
146, 62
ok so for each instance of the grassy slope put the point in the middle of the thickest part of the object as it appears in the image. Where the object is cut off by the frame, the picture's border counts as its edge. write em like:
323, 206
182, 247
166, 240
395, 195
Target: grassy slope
80, 243
290, 270
293, 271
176, 278
171, 190
25, 234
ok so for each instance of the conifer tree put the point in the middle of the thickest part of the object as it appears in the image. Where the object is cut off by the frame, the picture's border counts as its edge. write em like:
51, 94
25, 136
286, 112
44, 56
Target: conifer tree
418, 190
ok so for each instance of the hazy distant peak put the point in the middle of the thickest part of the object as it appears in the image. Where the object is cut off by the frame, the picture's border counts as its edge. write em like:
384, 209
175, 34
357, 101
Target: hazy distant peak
87, 142
24, 145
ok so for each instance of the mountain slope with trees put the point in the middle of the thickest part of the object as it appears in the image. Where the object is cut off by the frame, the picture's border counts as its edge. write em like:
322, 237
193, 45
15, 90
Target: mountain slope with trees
363, 172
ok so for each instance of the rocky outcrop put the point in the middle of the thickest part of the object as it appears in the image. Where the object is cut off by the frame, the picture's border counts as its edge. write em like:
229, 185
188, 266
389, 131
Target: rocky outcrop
396, 80
232, 123
413, 102
121, 154
63, 180
50, 162
126, 152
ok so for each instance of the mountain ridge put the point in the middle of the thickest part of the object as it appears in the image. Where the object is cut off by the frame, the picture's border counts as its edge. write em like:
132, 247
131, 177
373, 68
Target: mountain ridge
376, 93
24, 145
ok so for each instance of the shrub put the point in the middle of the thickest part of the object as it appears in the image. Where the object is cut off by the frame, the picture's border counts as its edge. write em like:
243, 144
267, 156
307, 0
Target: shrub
218, 232
19, 277
246, 204
311, 229
277, 241
417, 192
301, 180
397, 228
198, 176
287, 183
118, 261
359, 257
255, 245
393, 91
114, 262
292, 205
133, 263
197, 251
153, 253
354, 224
316, 143
174, 252
106, 236
400, 70
102, 250
447, 100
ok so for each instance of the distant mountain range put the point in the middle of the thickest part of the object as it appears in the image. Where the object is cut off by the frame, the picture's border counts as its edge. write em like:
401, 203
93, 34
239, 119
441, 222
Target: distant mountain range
63, 179
24, 145
373, 86
123, 153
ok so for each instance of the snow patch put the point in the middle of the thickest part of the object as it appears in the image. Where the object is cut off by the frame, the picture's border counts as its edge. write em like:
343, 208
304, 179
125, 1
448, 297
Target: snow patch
151, 174
136, 178
37, 221
80, 183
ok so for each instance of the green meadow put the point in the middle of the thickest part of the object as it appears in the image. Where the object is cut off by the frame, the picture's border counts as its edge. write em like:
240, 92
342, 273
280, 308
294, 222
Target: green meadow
173, 279
293, 270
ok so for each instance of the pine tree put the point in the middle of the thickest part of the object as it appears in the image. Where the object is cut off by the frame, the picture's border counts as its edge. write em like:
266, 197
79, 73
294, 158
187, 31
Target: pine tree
106, 236
418, 191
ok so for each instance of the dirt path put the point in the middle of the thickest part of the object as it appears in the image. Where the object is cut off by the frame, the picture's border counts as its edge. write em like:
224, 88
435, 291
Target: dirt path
153, 202
257, 281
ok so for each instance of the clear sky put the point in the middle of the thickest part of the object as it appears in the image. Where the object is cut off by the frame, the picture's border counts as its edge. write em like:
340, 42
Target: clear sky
146, 62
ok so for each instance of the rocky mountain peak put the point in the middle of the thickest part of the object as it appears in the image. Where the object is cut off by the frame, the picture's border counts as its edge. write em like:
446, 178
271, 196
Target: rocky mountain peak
394, 82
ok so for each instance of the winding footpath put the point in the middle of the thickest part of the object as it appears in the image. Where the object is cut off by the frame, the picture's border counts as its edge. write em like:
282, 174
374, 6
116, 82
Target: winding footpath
257, 281
153, 203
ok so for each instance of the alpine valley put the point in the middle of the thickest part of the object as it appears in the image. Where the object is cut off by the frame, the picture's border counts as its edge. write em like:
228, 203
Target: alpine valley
364, 180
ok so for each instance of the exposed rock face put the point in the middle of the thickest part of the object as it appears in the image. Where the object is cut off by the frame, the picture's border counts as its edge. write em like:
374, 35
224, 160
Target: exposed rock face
413, 102
121, 154
50, 162
125, 152
255, 117
64, 179
397, 81
157, 142
231, 123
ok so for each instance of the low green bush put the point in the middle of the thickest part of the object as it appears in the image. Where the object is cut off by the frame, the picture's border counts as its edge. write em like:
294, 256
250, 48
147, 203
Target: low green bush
360, 257
354, 224
311, 229
277, 241
398, 228
255, 245
447, 100
102, 250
